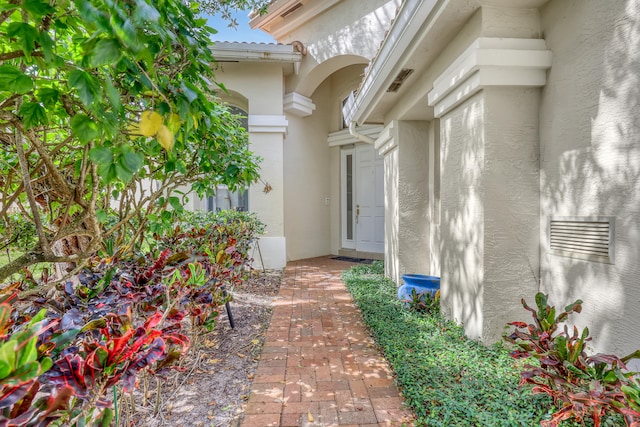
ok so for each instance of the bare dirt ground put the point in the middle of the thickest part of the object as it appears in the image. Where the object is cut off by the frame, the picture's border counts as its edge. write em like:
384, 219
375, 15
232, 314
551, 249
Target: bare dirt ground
218, 373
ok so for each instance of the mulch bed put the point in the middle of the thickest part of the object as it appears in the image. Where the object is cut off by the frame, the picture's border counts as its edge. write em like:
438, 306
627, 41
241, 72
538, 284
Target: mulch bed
218, 373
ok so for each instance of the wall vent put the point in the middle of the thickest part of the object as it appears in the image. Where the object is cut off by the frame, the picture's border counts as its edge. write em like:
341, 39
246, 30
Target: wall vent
588, 238
399, 80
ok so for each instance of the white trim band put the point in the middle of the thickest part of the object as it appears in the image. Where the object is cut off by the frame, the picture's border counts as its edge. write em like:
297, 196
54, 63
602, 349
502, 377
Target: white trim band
388, 139
298, 105
344, 137
490, 62
267, 124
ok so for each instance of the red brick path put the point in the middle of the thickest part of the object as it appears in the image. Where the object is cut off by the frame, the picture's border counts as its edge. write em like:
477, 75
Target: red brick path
319, 367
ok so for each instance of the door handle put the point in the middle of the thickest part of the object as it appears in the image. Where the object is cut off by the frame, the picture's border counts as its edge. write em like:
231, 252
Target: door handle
357, 212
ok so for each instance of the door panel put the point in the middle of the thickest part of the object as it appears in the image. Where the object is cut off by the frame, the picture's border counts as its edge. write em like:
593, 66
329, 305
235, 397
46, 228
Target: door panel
369, 199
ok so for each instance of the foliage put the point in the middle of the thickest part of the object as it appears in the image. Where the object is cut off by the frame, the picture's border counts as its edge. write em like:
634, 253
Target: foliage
447, 379
60, 356
423, 302
17, 233
581, 386
104, 101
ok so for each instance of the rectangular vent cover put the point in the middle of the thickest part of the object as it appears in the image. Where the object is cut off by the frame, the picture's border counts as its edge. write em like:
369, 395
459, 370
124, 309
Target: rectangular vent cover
589, 238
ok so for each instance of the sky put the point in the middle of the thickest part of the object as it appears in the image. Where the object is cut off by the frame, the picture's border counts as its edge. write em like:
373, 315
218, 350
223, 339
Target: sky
243, 33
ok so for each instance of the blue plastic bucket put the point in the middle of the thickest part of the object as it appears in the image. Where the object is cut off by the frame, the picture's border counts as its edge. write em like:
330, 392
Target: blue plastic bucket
421, 283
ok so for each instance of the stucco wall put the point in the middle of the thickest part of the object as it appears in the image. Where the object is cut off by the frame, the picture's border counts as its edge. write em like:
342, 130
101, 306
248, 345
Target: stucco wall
264, 93
263, 97
462, 214
391, 215
590, 159
307, 180
413, 190
489, 201
348, 33
511, 204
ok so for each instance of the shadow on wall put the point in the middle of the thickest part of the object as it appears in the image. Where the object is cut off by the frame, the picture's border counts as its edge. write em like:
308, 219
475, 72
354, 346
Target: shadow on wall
461, 232
391, 232
356, 36
590, 161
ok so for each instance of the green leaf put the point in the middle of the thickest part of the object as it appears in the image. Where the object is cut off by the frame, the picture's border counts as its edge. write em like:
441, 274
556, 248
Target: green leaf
188, 90
28, 353
5, 369
105, 52
108, 172
101, 216
101, 155
130, 160
176, 204
86, 85
33, 114
7, 358
14, 80
145, 12
25, 34
48, 96
122, 173
45, 365
106, 418
84, 128
37, 8
47, 44
113, 95
610, 377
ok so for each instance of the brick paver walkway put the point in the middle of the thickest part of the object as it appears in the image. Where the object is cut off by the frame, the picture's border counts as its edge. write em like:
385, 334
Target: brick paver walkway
319, 366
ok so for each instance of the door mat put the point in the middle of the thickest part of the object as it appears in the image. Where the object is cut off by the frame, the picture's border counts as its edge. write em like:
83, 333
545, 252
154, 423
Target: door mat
350, 259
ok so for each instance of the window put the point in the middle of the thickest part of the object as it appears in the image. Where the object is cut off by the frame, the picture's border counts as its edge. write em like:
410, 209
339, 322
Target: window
225, 200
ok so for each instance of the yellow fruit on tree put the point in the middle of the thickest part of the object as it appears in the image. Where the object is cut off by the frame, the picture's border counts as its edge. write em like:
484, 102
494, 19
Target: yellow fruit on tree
150, 123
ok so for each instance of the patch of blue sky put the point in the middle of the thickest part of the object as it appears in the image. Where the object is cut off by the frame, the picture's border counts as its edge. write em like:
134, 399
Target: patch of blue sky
242, 33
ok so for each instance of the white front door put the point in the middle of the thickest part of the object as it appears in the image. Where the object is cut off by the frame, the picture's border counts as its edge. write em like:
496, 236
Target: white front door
362, 199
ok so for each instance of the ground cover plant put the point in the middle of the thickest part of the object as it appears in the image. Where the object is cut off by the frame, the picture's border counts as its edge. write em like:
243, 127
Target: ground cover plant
447, 379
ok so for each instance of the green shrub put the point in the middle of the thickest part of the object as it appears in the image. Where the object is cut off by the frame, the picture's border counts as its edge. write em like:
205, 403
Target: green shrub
447, 379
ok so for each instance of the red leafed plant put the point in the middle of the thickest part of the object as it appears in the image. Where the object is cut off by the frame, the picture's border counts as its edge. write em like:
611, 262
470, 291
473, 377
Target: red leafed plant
118, 319
581, 386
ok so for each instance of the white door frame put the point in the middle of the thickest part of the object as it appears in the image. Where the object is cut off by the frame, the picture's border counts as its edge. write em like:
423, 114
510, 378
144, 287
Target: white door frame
365, 223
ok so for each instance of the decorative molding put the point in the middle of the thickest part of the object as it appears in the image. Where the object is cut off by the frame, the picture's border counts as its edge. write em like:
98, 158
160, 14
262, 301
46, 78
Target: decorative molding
254, 52
343, 137
278, 26
388, 139
298, 105
490, 62
267, 124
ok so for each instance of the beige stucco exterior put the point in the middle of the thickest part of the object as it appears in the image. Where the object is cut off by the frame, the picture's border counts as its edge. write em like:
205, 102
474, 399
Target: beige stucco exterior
513, 112
590, 158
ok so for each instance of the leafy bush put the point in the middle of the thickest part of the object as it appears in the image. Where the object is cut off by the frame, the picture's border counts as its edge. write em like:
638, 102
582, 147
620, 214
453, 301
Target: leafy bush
581, 386
59, 357
447, 379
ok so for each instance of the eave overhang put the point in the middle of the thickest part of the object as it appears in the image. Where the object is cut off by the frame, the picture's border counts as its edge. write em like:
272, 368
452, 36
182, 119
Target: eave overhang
420, 31
285, 16
254, 52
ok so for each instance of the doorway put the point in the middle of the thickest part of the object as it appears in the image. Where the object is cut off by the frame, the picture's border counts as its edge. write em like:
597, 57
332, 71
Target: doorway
362, 194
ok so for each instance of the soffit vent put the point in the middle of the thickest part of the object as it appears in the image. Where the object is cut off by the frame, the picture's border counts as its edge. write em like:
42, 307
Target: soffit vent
400, 79
291, 10
588, 238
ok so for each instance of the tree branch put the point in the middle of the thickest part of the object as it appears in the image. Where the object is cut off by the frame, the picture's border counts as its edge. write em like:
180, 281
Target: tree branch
26, 182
